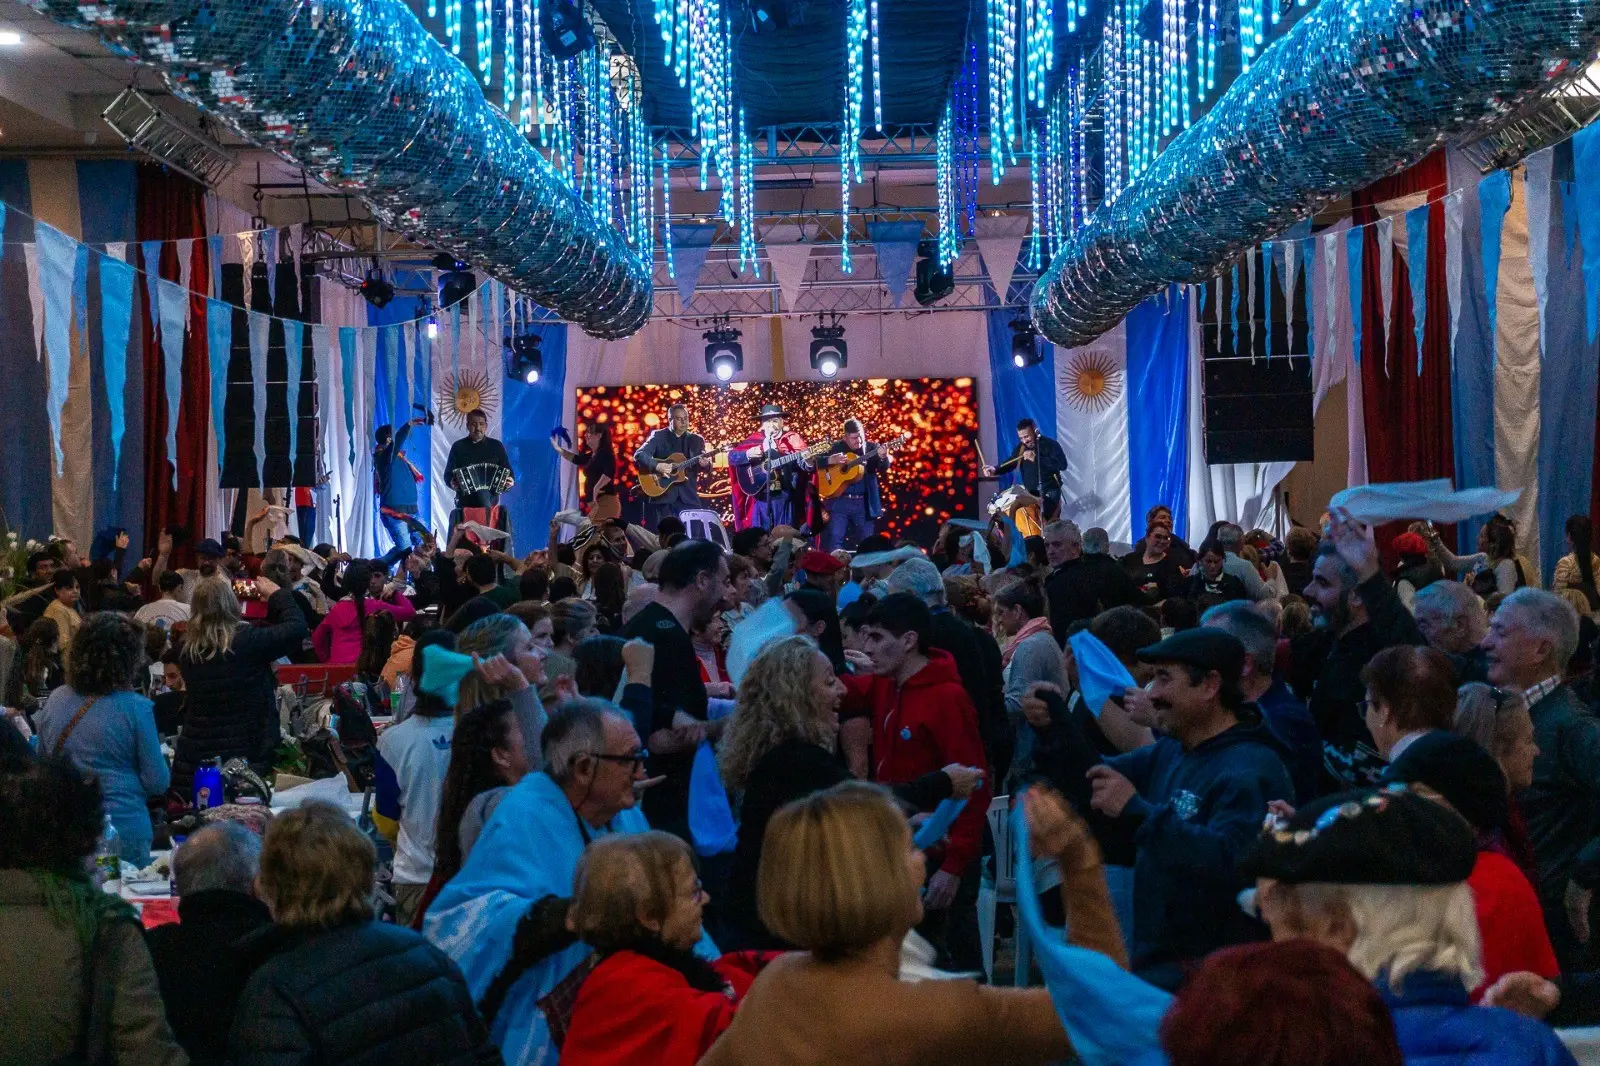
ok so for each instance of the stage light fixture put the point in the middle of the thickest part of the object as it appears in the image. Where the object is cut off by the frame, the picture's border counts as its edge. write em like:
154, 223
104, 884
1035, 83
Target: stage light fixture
933, 282
433, 327
565, 31
1025, 344
768, 16
526, 362
724, 353
376, 289
456, 280
829, 352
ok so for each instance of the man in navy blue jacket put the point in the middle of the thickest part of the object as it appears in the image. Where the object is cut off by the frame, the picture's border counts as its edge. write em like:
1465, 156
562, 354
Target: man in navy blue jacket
396, 480
1194, 800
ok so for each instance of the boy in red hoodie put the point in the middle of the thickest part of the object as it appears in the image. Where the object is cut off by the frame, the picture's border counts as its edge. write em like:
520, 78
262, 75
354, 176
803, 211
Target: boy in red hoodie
922, 721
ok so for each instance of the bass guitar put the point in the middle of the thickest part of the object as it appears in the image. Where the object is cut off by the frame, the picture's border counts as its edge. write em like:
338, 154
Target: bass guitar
653, 484
754, 476
833, 480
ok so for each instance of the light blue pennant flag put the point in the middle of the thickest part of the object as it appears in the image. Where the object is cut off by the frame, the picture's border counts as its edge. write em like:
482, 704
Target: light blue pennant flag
1354, 245
347, 366
1417, 253
58, 255
1494, 200
219, 347
117, 280
293, 341
260, 331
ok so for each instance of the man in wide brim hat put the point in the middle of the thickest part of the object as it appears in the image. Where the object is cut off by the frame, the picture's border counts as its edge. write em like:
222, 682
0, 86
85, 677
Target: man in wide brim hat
779, 497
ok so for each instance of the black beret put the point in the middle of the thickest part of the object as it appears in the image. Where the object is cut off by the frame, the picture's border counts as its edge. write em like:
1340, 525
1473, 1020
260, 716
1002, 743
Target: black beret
1390, 835
1460, 770
1206, 648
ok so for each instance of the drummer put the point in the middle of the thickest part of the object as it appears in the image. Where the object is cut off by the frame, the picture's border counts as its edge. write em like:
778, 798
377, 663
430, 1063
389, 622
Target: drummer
1039, 463
483, 462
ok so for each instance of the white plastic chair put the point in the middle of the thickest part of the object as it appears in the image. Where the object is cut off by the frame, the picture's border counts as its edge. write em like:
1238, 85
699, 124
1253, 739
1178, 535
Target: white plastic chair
706, 525
1002, 889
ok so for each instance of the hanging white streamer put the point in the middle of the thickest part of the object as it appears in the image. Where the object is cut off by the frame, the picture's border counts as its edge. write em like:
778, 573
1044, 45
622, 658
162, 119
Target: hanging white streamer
1386, 280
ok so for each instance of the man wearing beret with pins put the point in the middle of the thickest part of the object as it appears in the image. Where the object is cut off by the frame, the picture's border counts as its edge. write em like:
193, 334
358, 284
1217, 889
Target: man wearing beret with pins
1193, 801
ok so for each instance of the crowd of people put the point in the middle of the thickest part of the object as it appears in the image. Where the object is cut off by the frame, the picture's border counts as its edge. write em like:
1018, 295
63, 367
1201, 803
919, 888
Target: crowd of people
638, 799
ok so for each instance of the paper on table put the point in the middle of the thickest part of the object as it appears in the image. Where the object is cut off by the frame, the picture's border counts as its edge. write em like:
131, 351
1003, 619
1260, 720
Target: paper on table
1433, 501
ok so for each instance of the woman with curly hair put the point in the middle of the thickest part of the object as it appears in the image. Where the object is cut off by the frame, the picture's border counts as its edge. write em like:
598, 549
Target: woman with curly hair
781, 745
100, 722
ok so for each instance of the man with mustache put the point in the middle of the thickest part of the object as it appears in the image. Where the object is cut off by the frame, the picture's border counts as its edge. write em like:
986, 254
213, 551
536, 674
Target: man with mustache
1193, 800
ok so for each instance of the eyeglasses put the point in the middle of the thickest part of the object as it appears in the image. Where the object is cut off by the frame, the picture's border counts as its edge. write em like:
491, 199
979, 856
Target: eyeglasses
633, 761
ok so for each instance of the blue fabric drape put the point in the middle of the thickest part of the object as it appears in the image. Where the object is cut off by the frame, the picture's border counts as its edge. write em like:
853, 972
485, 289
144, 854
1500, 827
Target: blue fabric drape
1158, 394
1569, 376
1586, 168
1029, 392
25, 456
1472, 364
531, 412
116, 319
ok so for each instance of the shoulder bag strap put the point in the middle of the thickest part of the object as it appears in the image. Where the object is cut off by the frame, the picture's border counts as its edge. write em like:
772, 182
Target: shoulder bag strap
61, 741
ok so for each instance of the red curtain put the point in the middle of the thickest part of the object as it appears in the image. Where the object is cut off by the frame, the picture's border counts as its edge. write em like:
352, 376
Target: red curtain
171, 208
1407, 415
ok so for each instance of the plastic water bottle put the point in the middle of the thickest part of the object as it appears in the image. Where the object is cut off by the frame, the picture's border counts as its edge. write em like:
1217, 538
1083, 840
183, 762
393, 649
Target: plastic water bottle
108, 854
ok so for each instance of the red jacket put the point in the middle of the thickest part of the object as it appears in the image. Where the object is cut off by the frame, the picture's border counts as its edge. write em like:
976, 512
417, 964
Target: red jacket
633, 1009
1510, 922
924, 726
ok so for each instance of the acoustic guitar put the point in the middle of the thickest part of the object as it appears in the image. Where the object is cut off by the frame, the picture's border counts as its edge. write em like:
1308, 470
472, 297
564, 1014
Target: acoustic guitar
753, 477
653, 484
833, 480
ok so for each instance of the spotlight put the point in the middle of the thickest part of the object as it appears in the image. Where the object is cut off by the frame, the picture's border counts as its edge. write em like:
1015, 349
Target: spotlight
1024, 343
527, 361
829, 352
724, 353
566, 32
768, 16
376, 290
456, 280
933, 283
433, 327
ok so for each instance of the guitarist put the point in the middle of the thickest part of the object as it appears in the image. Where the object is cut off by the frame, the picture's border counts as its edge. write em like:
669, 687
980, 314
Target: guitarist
651, 457
852, 516
777, 498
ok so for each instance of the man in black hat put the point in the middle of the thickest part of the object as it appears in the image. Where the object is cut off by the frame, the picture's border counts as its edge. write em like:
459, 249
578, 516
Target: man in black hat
778, 492
1193, 800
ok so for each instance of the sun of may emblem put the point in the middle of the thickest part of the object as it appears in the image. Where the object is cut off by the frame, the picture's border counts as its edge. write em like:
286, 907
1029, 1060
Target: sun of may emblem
1092, 380
464, 392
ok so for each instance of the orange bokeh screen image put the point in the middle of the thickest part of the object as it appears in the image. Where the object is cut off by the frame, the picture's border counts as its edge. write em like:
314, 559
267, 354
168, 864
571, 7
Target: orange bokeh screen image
933, 477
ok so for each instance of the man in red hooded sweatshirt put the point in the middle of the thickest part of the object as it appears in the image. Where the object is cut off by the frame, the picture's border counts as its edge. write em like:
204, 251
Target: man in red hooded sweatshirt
922, 721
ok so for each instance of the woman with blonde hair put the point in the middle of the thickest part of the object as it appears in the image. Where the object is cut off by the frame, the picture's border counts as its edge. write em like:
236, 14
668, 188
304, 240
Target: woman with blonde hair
637, 901
330, 984
781, 745
842, 880
230, 700
1498, 720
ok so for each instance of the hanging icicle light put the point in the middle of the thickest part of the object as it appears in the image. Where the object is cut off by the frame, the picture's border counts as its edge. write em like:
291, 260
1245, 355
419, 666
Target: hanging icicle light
508, 65
877, 73
857, 29
452, 25
944, 177
747, 211
666, 212
1002, 41
483, 38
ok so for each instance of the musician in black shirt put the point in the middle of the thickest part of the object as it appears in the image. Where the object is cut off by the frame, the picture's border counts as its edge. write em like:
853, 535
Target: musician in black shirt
595, 459
1040, 462
651, 458
472, 466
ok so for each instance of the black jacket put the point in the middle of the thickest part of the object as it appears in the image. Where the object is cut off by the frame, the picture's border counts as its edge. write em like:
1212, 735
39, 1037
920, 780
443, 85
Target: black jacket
675, 686
362, 993
1083, 587
1326, 673
201, 970
1227, 586
1042, 476
231, 705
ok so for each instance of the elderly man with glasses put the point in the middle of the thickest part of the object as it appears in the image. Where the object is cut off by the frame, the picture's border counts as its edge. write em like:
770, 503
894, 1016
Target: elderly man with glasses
1531, 638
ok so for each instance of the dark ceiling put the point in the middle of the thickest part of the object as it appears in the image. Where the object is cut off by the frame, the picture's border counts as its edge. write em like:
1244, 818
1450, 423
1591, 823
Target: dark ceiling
796, 75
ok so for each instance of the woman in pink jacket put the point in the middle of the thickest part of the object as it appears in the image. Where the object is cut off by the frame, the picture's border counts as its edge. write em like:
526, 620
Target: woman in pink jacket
338, 639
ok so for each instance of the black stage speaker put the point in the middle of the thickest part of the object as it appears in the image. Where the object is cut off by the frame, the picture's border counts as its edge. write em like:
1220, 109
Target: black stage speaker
1257, 392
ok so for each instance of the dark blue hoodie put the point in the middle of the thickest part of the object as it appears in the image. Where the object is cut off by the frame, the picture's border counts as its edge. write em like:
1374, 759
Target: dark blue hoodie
1195, 814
